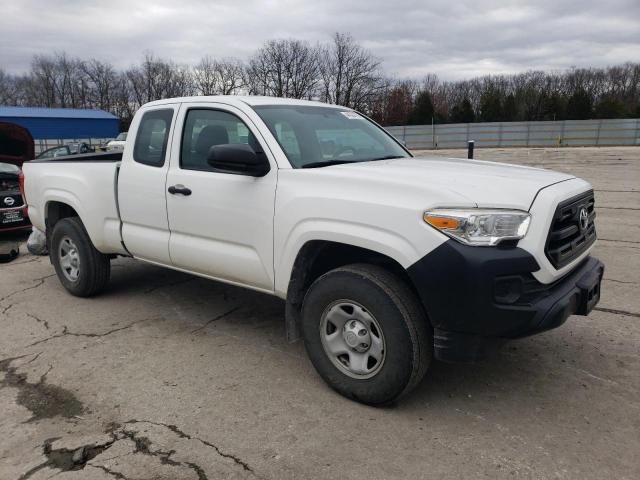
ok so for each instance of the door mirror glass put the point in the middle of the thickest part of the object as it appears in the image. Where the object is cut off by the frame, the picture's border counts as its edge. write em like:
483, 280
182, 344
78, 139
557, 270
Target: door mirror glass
239, 159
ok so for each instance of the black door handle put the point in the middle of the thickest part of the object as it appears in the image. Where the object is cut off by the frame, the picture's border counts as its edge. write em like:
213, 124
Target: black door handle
179, 190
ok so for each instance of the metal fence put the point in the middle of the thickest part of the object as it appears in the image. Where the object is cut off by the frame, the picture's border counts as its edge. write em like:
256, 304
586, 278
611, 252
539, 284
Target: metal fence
572, 133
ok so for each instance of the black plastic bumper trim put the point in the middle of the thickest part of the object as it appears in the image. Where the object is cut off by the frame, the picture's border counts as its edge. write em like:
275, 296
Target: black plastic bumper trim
456, 285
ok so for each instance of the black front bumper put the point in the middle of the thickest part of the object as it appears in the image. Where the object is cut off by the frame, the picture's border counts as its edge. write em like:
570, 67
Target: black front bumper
476, 297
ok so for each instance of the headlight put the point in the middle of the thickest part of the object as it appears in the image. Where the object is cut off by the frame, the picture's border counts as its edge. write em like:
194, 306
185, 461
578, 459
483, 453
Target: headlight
479, 227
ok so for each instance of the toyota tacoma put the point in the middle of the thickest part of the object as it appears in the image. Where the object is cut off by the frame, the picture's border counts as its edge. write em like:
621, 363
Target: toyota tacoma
384, 260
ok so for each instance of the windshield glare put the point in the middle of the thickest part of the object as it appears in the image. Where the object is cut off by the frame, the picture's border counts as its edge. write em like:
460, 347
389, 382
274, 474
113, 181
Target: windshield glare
310, 135
122, 137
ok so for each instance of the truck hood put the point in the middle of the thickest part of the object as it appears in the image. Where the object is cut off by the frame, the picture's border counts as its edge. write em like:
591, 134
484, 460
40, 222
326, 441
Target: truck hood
485, 184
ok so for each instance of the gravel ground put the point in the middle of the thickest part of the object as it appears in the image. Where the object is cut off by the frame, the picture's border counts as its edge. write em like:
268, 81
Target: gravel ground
166, 376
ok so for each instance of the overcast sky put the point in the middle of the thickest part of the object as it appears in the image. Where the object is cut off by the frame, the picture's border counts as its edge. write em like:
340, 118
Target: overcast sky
452, 38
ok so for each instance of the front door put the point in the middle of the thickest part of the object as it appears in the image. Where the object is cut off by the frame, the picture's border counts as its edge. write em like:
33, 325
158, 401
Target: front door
221, 224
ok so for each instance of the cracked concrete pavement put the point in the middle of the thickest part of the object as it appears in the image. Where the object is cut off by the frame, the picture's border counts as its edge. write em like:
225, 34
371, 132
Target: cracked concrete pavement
167, 376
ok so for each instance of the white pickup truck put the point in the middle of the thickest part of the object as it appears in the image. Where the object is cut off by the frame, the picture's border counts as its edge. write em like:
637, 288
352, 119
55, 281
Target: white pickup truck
385, 260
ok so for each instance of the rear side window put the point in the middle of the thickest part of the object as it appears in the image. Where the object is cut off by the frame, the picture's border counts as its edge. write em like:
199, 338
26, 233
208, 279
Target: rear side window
151, 141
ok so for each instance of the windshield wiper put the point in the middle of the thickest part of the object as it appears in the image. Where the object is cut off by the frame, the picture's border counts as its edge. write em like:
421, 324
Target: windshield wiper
386, 157
339, 162
327, 162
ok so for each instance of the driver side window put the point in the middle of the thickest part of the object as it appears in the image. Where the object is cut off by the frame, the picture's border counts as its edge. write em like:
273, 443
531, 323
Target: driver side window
205, 128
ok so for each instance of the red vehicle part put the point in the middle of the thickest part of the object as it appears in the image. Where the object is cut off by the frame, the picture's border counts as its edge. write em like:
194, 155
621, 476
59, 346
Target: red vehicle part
13, 205
16, 144
16, 147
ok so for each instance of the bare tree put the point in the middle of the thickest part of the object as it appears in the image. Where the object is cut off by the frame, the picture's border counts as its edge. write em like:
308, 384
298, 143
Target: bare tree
231, 75
430, 84
205, 78
350, 74
340, 72
283, 68
301, 69
7, 88
42, 87
218, 77
102, 80
257, 75
156, 78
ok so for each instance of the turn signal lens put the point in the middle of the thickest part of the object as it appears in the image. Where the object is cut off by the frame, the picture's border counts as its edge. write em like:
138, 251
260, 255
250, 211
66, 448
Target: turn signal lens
442, 223
479, 227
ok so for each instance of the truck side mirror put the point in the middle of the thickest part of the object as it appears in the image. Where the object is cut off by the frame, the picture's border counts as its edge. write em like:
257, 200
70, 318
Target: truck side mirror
238, 159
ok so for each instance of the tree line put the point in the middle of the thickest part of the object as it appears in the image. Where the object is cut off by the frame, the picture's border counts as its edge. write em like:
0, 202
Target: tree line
340, 72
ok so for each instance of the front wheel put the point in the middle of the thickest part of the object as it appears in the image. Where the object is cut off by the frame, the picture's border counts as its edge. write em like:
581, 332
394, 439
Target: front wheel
81, 269
366, 333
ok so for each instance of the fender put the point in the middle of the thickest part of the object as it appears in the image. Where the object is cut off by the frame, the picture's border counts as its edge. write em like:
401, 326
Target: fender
103, 232
386, 242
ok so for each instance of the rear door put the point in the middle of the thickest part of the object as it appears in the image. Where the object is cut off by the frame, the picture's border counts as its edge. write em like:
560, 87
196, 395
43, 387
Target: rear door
142, 185
223, 226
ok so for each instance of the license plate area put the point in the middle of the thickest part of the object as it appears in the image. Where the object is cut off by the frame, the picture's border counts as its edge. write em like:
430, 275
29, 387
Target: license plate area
11, 217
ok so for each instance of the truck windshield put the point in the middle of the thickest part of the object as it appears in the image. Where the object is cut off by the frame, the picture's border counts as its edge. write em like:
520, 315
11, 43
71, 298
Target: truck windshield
314, 136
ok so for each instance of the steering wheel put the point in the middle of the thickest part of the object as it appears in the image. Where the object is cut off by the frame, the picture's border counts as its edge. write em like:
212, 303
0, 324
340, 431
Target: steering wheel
342, 151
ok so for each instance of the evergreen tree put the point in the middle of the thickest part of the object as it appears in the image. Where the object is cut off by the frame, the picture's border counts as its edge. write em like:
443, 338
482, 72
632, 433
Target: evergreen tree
462, 112
509, 110
490, 106
553, 107
422, 112
609, 107
579, 106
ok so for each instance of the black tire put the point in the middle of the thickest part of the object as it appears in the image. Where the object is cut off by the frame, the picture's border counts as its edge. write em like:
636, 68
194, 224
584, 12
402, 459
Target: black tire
407, 333
9, 256
95, 267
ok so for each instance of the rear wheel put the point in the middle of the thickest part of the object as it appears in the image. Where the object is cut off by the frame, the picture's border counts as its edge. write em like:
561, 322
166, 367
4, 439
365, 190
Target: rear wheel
82, 269
366, 333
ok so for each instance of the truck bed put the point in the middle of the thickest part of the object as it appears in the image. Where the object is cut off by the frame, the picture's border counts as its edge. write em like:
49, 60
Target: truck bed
86, 182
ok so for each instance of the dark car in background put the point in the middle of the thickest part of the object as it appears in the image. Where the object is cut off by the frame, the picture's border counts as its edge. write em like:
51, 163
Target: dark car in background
13, 208
64, 150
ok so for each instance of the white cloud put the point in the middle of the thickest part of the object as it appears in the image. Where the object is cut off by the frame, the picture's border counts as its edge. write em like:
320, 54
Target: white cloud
454, 39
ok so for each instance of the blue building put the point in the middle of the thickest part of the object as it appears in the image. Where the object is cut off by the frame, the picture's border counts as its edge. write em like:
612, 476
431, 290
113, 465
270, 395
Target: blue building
62, 123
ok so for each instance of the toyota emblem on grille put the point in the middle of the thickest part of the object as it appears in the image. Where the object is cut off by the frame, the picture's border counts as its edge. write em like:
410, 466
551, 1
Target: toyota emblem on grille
583, 219
8, 201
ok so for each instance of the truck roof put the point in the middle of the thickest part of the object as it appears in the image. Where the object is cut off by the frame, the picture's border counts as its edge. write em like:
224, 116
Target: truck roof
252, 100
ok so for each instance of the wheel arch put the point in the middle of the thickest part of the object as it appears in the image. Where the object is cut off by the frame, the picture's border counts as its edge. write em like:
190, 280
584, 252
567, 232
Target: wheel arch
56, 210
317, 257
104, 231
